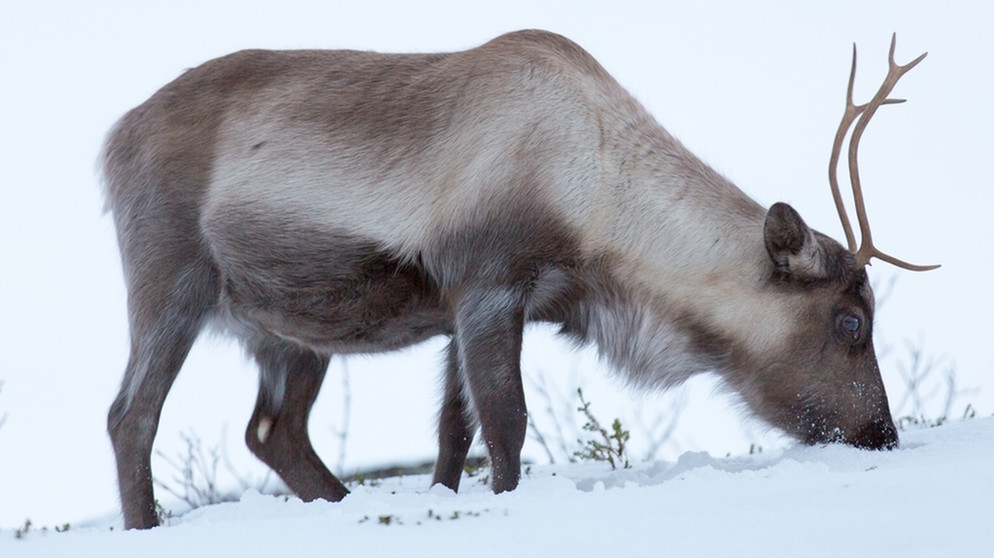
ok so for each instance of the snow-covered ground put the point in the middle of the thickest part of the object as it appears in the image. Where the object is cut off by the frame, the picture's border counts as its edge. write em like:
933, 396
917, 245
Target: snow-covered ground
931, 497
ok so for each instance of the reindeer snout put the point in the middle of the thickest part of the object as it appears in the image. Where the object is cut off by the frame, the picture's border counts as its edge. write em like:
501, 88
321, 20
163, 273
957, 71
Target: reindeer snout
879, 434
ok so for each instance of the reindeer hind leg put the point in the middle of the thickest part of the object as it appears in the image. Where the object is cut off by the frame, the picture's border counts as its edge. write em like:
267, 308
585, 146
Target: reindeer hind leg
167, 310
290, 379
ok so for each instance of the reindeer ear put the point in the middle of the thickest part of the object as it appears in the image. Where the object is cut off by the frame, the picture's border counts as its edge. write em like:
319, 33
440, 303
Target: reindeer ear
792, 245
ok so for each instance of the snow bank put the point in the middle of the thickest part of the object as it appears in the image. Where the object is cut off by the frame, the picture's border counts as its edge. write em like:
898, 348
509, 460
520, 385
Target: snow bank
930, 497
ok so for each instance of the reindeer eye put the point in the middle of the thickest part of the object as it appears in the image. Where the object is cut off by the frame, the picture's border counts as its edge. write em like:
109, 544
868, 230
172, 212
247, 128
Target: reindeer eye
849, 326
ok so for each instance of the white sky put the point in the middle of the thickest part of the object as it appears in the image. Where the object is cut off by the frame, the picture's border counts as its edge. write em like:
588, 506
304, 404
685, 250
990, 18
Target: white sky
755, 91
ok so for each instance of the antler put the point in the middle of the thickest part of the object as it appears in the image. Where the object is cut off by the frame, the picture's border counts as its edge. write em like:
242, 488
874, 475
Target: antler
865, 112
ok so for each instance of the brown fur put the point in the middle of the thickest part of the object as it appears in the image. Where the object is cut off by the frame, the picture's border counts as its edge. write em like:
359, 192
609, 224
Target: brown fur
321, 202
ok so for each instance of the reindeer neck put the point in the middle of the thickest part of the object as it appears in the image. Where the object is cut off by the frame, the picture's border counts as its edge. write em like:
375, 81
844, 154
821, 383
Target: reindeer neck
680, 218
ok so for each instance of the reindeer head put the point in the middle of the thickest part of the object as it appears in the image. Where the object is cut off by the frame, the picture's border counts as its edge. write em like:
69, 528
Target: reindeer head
836, 304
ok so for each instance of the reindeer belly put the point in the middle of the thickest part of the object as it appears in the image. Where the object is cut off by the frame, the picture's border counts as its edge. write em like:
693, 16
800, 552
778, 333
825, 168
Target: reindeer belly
331, 292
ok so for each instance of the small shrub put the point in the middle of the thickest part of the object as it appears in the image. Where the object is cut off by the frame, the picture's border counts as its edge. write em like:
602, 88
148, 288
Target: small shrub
928, 383
162, 513
195, 477
23, 530
610, 446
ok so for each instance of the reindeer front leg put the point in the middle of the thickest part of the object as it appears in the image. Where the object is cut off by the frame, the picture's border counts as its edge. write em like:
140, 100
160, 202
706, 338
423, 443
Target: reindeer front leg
489, 329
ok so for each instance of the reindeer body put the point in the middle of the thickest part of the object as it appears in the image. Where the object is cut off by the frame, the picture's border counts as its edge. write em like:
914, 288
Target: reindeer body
326, 202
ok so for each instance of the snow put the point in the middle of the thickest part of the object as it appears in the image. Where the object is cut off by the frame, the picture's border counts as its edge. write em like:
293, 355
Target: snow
929, 497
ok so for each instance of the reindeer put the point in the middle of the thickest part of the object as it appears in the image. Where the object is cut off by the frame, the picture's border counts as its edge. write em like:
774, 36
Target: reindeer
314, 203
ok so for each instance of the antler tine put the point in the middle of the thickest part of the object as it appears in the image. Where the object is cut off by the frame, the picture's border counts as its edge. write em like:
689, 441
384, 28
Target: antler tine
850, 114
848, 117
865, 112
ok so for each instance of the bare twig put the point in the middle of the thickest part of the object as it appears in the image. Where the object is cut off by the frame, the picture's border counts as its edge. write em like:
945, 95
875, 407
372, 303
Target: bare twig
194, 478
663, 424
343, 432
558, 409
926, 381
3, 417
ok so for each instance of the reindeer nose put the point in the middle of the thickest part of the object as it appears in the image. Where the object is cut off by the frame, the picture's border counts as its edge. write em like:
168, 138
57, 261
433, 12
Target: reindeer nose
879, 434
